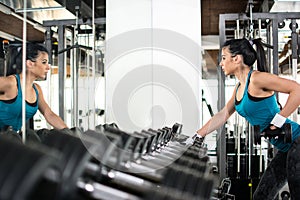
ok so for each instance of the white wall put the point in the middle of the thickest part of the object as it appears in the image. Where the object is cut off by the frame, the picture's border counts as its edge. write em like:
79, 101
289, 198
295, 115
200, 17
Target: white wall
152, 64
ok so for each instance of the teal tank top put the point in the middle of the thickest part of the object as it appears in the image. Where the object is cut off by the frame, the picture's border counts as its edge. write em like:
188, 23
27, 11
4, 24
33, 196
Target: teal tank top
260, 111
11, 110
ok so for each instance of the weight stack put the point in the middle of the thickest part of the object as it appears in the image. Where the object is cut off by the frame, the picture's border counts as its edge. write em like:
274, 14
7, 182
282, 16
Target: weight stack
243, 184
244, 166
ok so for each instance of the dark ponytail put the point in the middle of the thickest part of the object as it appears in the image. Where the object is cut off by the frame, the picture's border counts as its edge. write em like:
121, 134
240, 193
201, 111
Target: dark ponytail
261, 58
14, 60
261, 55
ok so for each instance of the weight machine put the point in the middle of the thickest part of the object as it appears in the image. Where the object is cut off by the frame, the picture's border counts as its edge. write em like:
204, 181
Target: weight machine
252, 25
86, 64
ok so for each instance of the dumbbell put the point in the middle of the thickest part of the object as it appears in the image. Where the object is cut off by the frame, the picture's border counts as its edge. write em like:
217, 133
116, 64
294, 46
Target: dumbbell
224, 188
17, 136
154, 167
145, 143
82, 165
138, 172
10, 133
285, 195
152, 161
24, 170
285, 131
80, 168
77, 163
42, 133
189, 180
84, 162
148, 145
151, 158
131, 147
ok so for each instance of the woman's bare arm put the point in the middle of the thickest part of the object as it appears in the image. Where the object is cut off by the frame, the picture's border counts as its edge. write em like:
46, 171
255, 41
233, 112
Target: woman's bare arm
218, 119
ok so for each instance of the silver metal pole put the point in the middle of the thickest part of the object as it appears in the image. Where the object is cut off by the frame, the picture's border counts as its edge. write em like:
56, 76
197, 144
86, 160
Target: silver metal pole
61, 71
237, 36
259, 28
74, 68
294, 37
239, 129
249, 136
94, 66
260, 160
24, 73
249, 150
251, 20
221, 141
5, 48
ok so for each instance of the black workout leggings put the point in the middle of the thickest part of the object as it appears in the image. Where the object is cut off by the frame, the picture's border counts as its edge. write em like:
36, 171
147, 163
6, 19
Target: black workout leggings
285, 166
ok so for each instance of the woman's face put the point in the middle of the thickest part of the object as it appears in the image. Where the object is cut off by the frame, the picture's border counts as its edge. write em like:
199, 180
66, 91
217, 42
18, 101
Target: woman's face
40, 66
227, 64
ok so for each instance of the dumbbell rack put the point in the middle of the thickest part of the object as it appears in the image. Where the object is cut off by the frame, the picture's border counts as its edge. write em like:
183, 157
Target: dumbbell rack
106, 163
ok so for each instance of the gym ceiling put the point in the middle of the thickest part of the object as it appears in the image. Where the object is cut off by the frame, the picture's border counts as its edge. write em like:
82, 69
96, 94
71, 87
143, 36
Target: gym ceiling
12, 23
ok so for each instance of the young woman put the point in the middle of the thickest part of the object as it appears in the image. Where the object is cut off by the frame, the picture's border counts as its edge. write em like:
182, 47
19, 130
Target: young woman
11, 88
254, 98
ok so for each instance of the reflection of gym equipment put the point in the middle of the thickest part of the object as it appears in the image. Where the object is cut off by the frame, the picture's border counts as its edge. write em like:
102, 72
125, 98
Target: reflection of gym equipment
289, 56
285, 131
208, 105
17, 136
78, 52
106, 164
5, 45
